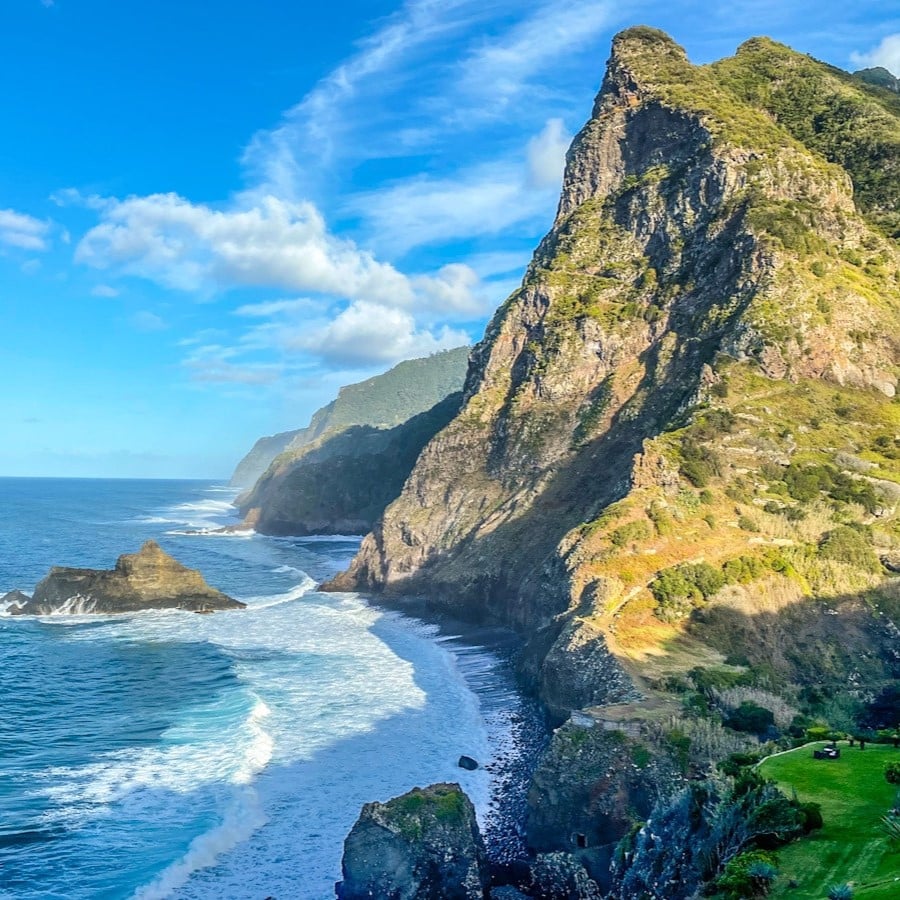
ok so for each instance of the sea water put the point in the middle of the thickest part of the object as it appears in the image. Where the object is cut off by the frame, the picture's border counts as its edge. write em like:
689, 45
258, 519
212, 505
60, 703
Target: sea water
168, 754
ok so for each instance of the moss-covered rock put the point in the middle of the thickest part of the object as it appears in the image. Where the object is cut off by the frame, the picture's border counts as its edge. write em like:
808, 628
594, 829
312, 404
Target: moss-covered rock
424, 845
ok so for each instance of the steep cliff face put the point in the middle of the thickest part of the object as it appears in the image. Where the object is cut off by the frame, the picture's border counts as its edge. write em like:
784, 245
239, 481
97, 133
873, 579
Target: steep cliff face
384, 401
711, 309
342, 482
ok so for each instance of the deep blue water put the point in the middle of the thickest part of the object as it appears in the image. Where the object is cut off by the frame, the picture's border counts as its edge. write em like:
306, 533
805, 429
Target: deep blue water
165, 754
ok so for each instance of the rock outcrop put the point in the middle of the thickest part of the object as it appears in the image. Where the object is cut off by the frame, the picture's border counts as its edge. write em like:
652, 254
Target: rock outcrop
148, 579
424, 845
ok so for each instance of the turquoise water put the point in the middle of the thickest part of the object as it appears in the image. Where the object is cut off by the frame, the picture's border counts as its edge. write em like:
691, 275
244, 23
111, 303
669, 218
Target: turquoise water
164, 754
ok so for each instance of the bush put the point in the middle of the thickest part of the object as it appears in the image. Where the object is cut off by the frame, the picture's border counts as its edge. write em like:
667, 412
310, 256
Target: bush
743, 569
660, 518
806, 483
679, 589
840, 892
630, 533
745, 523
892, 773
699, 463
749, 874
751, 718
812, 817
847, 545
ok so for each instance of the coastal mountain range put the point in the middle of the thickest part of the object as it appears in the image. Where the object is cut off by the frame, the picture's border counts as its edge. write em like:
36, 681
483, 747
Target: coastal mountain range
674, 466
338, 473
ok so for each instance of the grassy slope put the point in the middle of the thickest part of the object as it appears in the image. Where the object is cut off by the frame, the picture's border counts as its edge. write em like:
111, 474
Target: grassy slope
852, 846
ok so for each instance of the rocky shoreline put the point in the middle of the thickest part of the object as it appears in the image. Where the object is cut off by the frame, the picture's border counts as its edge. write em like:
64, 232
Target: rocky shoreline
486, 657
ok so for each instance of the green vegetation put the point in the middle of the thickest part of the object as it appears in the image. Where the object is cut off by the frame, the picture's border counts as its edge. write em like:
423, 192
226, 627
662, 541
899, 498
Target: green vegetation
751, 718
852, 846
409, 388
848, 123
849, 545
680, 589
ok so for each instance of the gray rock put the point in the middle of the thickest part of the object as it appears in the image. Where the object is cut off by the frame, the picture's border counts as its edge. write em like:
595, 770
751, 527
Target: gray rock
424, 845
466, 762
15, 597
148, 579
559, 876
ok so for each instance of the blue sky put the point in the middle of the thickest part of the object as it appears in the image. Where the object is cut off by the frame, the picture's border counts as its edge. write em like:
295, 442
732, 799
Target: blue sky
214, 214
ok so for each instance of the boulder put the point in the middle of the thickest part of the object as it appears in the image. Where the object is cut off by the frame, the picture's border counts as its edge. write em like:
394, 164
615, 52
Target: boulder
14, 600
424, 845
148, 579
466, 762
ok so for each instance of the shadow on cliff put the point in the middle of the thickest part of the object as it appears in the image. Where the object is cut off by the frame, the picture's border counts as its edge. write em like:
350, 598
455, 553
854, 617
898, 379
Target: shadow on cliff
845, 641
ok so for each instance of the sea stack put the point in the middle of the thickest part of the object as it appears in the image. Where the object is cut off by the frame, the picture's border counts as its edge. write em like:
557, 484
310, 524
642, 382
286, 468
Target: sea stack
424, 845
148, 579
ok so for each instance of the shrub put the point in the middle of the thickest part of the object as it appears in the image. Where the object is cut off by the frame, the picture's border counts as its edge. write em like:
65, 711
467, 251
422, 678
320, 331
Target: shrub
743, 569
660, 518
699, 464
892, 773
749, 874
630, 533
840, 892
812, 817
745, 523
679, 589
751, 718
847, 545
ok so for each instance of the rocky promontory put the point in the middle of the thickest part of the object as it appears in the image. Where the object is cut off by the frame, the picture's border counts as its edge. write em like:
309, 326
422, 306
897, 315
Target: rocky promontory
148, 579
424, 845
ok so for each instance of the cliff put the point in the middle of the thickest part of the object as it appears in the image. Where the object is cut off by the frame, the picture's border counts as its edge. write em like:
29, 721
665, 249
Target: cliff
676, 463
148, 579
384, 401
342, 482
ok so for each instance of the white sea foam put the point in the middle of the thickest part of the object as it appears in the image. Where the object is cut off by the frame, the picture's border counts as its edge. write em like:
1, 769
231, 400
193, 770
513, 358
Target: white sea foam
242, 819
215, 531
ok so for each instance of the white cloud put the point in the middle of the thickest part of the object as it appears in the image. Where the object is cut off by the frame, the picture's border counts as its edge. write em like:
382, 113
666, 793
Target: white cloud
502, 69
22, 231
547, 155
275, 307
104, 290
368, 333
192, 247
487, 199
432, 73
886, 54
213, 364
144, 320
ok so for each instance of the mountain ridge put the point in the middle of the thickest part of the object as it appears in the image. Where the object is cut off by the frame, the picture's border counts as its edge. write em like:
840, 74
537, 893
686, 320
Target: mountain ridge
677, 459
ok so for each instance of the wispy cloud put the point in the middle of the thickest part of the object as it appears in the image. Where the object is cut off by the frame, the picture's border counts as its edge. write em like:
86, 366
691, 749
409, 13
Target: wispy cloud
461, 89
144, 320
23, 231
886, 54
104, 290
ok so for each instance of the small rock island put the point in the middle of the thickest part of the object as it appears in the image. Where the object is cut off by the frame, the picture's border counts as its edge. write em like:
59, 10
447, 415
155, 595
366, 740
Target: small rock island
148, 579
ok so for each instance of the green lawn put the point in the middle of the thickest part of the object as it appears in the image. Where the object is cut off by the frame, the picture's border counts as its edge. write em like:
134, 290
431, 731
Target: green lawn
852, 847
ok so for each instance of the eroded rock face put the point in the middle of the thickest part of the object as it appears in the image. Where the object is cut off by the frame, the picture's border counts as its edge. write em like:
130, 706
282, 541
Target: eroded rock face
592, 784
694, 233
424, 845
148, 579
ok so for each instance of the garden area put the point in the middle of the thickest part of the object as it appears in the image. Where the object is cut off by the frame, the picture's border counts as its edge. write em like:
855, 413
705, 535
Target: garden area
854, 847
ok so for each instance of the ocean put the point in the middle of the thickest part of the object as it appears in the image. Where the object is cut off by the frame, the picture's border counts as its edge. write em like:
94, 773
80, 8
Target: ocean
166, 754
